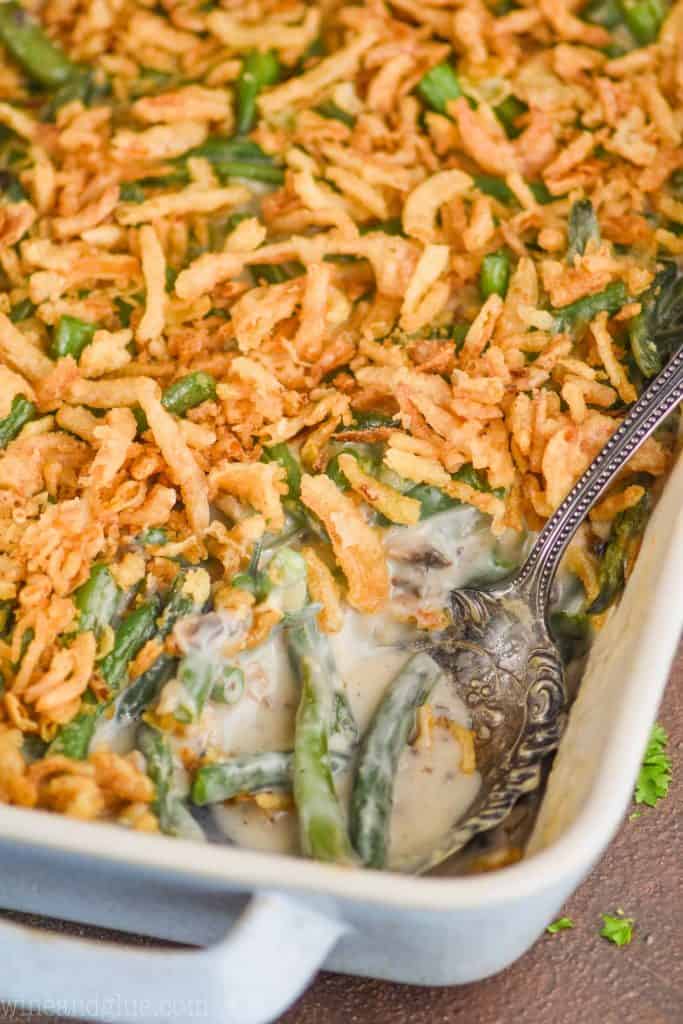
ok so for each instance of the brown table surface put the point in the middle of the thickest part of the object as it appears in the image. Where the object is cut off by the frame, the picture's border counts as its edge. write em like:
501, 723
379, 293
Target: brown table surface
568, 977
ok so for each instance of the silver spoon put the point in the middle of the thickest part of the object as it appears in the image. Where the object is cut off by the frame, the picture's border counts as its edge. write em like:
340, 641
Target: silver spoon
499, 652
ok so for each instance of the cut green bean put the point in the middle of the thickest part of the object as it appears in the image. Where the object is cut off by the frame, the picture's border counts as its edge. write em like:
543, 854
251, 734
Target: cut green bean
11, 188
584, 310
251, 773
178, 604
330, 110
370, 421
97, 600
146, 689
196, 675
656, 331
258, 71
21, 311
508, 113
283, 455
572, 634
71, 337
365, 455
38, 56
73, 739
386, 739
21, 412
603, 12
438, 87
494, 275
154, 535
287, 578
228, 685
322, 829
494, 187
85, 86
583, 227
644, 19
626, 529
137, 628
187, 392
174, 817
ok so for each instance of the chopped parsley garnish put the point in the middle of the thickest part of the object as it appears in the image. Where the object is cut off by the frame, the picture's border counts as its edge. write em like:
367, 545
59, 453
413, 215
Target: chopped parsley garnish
655, 772
618, 930
561, 925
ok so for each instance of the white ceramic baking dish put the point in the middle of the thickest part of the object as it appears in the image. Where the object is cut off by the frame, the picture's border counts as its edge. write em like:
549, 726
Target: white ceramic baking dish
269, 922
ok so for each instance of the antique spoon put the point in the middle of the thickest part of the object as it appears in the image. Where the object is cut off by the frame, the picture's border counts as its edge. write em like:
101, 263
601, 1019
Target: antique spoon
500, 654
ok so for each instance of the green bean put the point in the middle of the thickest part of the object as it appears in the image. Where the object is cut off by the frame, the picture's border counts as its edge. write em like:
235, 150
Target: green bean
508, 112
6, 616
494, 274
276, 273
365, 456
71, 337
21, 311
343, 722
584, 310
187, 392
73, 739
196, 675
572, 634
282, 454
146, 688
11, 187
644, 19
656, 331
330, 110
131, 192
177, 605
254, 580
228, 687
369, 421
86, 86
582, 228
541, 192
153, 535
322, 829
494, 187
392, 226
42, 61
433, 500
438, 87
130, 637
603, 12
96, 600
287, 577
174, 817
258, 71
626, 528
229, 158
21, 412
373, 789
251, 773
26, 640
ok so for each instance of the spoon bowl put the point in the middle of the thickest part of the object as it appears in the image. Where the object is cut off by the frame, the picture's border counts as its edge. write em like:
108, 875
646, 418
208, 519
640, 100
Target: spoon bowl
498, 650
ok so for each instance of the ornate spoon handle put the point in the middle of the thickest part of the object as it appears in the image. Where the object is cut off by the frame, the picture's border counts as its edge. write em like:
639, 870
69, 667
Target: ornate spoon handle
656, 402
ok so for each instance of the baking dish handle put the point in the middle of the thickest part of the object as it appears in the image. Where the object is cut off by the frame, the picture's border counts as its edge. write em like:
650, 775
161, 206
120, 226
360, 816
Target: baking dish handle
249, 977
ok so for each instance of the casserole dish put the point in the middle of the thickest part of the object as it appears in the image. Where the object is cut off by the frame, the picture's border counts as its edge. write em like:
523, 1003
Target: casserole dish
270, 922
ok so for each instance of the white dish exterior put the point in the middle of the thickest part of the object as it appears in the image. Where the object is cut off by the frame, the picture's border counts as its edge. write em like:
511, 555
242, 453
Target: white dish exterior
285, 917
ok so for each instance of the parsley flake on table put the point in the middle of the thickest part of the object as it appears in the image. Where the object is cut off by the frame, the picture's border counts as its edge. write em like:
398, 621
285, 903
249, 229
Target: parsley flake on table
560, 925
618, 930
655, 772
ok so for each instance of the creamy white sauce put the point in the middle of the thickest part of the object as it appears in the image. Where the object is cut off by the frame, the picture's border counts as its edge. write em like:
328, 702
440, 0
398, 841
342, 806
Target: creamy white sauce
431, 792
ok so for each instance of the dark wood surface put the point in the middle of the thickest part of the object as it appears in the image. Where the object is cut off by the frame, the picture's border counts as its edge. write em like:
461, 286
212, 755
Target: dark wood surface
574, 976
